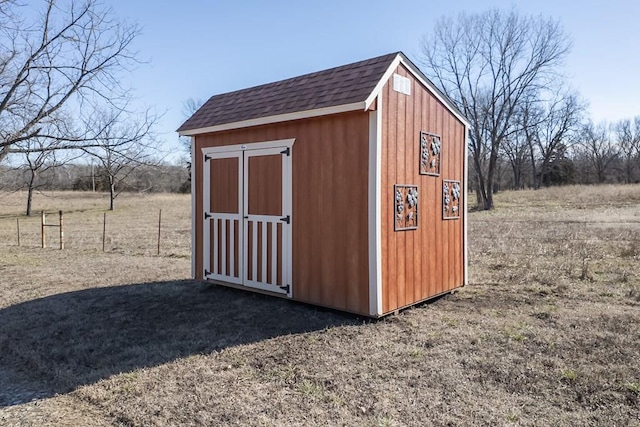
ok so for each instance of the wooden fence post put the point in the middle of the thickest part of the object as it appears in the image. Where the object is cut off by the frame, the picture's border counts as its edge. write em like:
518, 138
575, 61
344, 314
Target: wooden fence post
44, 224
61, 232
159, 226
104, 229
18, 226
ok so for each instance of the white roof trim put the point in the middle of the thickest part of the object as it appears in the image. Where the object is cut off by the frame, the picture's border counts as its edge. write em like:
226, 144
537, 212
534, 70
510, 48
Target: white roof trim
278, 118
385, 77
400, 59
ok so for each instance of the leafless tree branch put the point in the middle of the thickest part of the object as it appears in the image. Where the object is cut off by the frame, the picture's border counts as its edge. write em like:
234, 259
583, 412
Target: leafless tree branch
68, 58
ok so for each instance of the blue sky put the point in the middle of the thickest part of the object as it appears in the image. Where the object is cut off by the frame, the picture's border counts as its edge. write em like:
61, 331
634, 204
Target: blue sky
196, 49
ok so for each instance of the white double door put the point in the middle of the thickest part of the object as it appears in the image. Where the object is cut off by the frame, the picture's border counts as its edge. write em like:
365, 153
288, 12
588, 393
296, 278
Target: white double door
247, 217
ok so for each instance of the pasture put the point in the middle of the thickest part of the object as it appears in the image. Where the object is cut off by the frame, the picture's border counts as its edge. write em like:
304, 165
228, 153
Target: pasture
546, 333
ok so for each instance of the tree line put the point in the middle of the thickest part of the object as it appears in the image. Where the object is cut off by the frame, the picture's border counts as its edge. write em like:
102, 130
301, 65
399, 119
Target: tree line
588, 154
157, 178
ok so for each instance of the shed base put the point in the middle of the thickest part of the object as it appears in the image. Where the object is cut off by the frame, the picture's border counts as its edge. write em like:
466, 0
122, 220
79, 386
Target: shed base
283, 296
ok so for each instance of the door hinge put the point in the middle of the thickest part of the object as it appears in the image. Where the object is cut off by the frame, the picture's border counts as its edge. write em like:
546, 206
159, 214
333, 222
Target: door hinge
286, 288
207, 215
286, 219
206, 158
206, 273
286, 152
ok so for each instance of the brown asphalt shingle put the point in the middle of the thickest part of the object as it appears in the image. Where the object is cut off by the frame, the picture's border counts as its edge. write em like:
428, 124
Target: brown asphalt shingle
333, 87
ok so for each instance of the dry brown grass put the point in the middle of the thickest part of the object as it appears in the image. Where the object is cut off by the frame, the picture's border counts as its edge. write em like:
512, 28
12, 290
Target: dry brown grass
546, 333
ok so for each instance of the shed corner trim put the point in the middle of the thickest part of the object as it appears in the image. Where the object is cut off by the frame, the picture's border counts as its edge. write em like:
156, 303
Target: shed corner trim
192, 171
465, 231
375, 210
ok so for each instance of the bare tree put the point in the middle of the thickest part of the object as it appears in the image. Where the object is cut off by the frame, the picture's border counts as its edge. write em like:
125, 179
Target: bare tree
488, 64
36, 163
126, 141
516, 150
67, 57
628, 137
518, 147
189, 107
531, 116
599, 147
40, 156
551, 129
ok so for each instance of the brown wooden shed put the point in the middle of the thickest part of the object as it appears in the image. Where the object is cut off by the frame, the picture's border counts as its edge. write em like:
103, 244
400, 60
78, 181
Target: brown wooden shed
344, 188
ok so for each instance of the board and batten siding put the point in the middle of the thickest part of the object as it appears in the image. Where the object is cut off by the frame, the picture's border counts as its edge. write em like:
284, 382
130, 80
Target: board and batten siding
330, 202
422, 263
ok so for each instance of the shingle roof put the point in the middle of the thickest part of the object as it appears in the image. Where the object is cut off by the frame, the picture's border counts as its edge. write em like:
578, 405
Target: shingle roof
342, 85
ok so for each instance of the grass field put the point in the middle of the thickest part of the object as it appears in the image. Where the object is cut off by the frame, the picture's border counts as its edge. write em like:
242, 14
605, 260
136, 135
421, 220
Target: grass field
547, 333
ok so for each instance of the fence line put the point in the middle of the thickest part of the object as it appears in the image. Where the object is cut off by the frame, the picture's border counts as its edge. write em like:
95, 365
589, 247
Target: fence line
135, 232
125, 232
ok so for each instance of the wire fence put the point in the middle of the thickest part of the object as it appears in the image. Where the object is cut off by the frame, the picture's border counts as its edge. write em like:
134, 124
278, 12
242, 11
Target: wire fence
167, 232
156, 232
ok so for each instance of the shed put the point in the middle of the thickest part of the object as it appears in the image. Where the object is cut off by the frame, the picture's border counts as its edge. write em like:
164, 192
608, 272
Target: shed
344, 188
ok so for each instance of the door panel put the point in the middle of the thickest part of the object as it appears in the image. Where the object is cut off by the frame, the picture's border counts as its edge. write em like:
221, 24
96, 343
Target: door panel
257, 251
225, 171
226, 245
247, 225
265, 185
267, 201
223, 217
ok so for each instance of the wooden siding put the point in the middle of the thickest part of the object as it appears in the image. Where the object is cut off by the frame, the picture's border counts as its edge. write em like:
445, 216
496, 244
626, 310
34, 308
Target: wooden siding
330, 202
418, 264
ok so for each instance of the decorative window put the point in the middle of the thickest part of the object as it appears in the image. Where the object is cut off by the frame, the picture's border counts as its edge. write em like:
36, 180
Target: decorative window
405, 209
451, 198
430, 147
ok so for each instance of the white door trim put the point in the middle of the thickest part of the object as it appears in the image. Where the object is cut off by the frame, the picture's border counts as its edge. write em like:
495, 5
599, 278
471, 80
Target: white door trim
242, 152
279, 143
